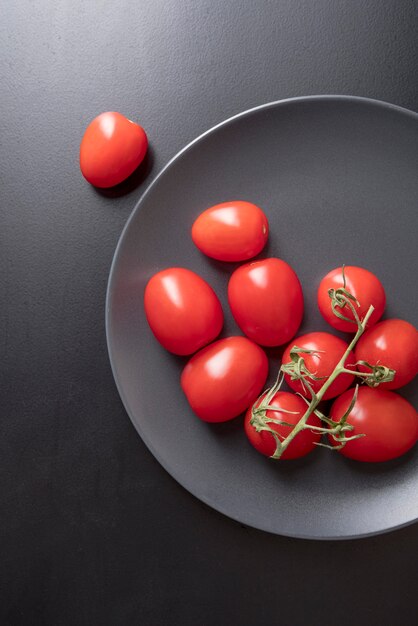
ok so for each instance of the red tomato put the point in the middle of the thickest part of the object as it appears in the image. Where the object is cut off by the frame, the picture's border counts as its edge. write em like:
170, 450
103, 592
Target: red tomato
363, 285
304, 441
388, 421
111, 149
182, 310
231, 231
330, 350
266, 301
223, 379
393, 343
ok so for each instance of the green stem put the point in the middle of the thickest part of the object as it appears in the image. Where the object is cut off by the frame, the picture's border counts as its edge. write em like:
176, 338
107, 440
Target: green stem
316, 398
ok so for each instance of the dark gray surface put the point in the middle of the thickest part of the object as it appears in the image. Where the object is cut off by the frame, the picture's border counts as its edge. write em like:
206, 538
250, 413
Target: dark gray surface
93, 530
337, 178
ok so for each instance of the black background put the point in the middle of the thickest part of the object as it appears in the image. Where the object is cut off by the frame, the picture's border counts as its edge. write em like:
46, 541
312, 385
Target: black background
93, 530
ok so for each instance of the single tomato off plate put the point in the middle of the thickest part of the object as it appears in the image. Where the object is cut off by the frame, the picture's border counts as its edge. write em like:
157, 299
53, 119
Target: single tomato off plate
111, 149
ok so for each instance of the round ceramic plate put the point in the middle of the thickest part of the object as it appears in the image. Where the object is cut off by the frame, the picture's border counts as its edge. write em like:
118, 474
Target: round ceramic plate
338, 179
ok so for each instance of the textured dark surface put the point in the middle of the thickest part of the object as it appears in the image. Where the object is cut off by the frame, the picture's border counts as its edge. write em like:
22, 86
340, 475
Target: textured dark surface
93, 530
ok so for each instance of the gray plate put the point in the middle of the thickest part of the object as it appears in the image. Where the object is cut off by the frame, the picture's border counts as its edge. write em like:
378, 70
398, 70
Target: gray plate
338, 179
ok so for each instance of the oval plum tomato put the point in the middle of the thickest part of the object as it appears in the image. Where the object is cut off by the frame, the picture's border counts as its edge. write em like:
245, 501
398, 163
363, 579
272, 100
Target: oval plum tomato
363, 285
223, 379
266, 301
303, 443
231, 231
329, 350
111, 149
393, 343
388, 421
183, 311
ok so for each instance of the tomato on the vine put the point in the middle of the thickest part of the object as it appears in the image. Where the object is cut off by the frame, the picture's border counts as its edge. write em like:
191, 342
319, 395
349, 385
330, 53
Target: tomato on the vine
266, 301
183, 311
363, 285
393, 343
231, 231
223, 379
388, 422
111, 149
303, 443
327, 351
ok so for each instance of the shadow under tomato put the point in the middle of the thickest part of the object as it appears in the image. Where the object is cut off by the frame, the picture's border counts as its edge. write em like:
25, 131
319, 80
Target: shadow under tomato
227, 429
275, 354
379, 469
227, 267
224, 267
132, 182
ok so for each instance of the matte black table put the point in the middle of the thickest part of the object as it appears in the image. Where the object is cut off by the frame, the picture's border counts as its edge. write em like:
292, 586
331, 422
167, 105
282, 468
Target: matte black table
92, 530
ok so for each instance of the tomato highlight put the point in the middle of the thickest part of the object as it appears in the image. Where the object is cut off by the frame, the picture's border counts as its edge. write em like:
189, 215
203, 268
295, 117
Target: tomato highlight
266, 301
182, 310
231, 231
388, 423
111, 149
223, 379
289, 409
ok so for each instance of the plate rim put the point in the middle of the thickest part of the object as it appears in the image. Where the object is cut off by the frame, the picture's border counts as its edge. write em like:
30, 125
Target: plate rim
109, 290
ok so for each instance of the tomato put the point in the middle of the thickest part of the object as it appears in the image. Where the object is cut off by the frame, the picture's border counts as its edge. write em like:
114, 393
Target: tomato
231, 231
302, 444
182, 310
266, 301
363, 285
393, 343
223, 379
388, 421
329, 350
111, 149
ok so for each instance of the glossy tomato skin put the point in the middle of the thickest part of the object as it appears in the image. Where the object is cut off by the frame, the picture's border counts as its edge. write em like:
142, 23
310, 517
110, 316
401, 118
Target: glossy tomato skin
231, 231
388, 421
223, 379
301, 445
111, 149
330, 350
266, 301
183, 311
393, 343
363, 285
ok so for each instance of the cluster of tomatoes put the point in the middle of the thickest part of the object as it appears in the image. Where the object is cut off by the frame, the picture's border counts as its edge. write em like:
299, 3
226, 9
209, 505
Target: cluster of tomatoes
224, 378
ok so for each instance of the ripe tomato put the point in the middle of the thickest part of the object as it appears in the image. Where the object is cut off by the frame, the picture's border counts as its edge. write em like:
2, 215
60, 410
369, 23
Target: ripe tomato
304, 441
223, 379
182, 310
393, 343
231, 231
329, 350
111, 149
266, 301
363, 285
388, 421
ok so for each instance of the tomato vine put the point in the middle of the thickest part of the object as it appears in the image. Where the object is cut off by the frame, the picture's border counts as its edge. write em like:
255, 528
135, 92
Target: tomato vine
341, 299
